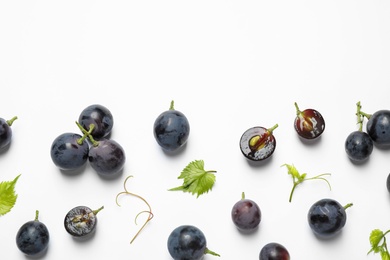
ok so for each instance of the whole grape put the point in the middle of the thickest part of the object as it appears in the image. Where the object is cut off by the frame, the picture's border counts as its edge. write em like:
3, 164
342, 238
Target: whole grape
327, 217
81, 221
106, 157
274, 251
100, 116
388, 182
69, 152
358, 146
246, 214
188, 242
33, 237
171, 129
5, 132
378, 127
258, 143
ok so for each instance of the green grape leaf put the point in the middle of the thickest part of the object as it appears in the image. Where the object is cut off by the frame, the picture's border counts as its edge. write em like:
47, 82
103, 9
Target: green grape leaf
7, 195
375, 238
196, 180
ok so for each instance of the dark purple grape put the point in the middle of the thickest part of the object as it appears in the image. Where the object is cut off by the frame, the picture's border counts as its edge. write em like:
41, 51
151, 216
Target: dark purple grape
327, 217
246, 214
274, 251
99, 116
33, 237
378, 127
388, 183
5, 132
188, 242
258, 143
68, 153
107, 157
81, 221
171, 129
358, 146
309, 123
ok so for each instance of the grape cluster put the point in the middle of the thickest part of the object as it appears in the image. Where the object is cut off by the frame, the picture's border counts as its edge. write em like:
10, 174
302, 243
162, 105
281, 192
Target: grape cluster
359, 144
71, 151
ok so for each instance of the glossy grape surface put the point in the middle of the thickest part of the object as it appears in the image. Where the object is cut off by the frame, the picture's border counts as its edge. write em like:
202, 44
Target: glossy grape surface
80, 221
326, 217
32, 238
274, 251
358, 146
257, 143
378, 127
107, 158
5, 133
101, 117
246, 214
171, 130
309, 124
187, 242
67, 154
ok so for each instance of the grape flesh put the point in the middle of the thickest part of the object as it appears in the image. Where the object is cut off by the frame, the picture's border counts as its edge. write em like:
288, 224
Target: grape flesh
187, 242
67, 154
378, 127
326, 217
274, 251
80, 221
100, 117
171, 130
309, 124
359, 146
33, 237
257, 143
107, 157
5, 133
246, 214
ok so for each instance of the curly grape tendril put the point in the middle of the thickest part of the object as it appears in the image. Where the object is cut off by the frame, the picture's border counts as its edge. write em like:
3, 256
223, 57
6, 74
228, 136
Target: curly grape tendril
144, 211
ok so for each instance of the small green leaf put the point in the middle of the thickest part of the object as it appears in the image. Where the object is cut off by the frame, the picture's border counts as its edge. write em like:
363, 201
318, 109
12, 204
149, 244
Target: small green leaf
196, 180
7, 195
375, 238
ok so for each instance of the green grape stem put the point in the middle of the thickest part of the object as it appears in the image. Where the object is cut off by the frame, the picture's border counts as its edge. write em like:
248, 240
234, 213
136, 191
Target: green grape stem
36, 215
97, 210
208, 251
88, 133
361, 115
172, 106
270, 130
297, 181
297, 108
11, 121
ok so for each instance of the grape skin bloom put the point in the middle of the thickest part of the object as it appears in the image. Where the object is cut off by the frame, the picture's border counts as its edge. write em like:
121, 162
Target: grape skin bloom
32, 238
171, 130
187, 242
67, 154
107, 157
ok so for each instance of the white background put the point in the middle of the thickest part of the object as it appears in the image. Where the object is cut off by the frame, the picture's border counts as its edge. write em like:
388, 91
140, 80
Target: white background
229, 66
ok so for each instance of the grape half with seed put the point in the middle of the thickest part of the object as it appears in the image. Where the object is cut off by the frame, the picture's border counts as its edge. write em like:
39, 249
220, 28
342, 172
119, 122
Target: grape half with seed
258, 143
81, 221
309, 123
